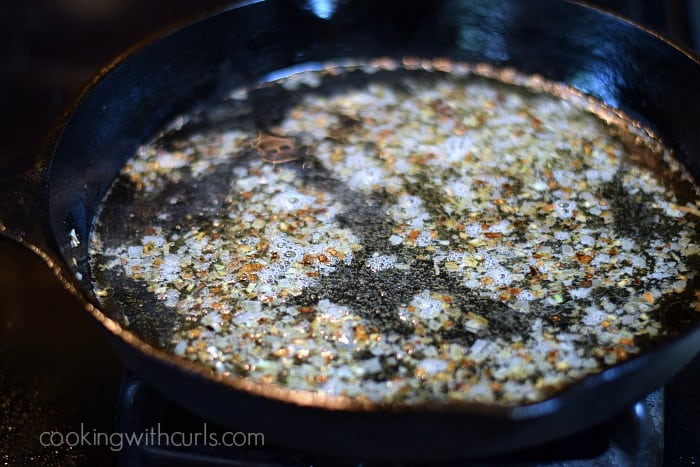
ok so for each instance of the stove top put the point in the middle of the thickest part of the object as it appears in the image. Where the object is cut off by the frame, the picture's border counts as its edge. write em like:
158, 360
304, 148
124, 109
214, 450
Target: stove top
58, 373
169, 434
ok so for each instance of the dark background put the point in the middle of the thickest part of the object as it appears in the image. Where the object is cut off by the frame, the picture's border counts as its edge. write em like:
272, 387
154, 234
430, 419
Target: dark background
56, 370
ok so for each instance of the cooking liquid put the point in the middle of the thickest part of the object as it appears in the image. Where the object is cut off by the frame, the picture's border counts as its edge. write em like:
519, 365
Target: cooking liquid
399, 235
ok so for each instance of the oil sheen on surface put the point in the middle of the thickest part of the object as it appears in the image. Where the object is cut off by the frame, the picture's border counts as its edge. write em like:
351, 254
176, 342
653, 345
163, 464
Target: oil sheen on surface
396, 234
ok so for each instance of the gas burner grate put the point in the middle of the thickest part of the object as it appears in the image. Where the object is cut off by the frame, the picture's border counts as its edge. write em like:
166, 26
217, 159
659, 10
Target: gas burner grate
634, 437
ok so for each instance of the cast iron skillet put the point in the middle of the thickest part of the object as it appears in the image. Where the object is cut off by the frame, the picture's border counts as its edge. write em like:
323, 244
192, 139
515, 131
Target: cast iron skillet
601, 55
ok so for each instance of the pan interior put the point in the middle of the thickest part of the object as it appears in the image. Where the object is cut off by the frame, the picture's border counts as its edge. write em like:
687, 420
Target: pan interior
424, 232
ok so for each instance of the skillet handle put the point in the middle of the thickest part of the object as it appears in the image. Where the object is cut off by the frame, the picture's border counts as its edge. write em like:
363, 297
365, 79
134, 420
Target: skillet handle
22, 208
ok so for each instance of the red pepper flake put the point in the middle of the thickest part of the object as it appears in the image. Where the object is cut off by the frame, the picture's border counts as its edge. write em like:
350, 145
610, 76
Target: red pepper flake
309, 259
320, 379
413, 235
322, 258
620, 353
536, 122
467, 362
583, 258
360, 333
251, 267
243, 277
493, 234
305, 309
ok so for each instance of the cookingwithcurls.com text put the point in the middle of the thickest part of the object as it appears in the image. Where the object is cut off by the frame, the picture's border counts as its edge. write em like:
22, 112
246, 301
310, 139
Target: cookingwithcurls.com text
152, 436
